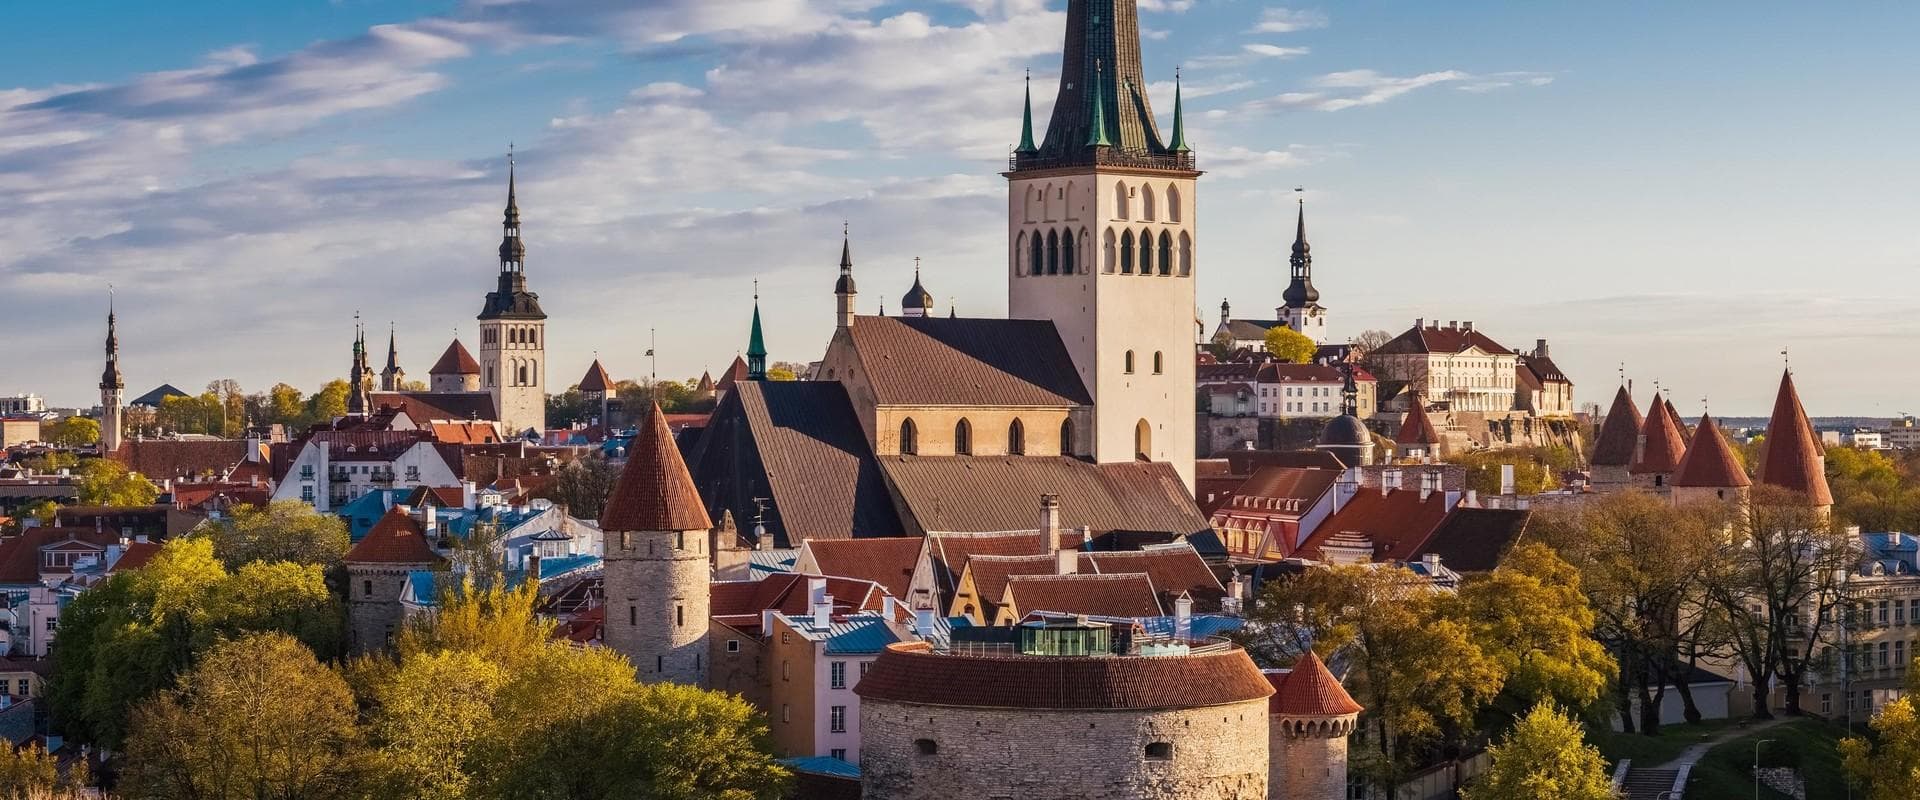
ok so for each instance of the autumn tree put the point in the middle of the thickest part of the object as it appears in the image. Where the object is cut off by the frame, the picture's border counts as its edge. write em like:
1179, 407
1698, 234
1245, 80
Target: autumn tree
583, 486
1544, 755
1530, 617
1289, 345
1363, 345
286, 406
31, 773
1872, 490
72, 432
1887, 766
106, 482
258, 717
328, 403
286, 530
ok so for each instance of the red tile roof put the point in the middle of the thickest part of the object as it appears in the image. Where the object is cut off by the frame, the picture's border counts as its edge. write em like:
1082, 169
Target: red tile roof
655, 493
1173, 570
1279, 372
1661, 446
1686, 436
597, 379
1709, 461
736, 372
425, 406
912, 672
888, 561
455, 361
1118, 595
136, 556
1793, 458
990, 574
465, 432
1619, 433
787, 594
395, 539
1309, 690
944, 362
20, 555
949, 553
1435, 339
1417, 428
1398, 522
161, 459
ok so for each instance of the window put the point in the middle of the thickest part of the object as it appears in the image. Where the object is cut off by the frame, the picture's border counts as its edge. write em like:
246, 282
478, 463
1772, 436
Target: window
733, 645
679, 616
1127, 365
838, 752
837, 719
863, 668
1146, 203
1146, 253
1126, 253
1186, 254
1158, 362
1110, 258
659, 663
1883, 650
1173, 203
1160, 751
1900, 654
1142, 441
1036, 255
1066, 438
963, 438
1882, 616
23, 688
1016, 438
1899, 613
53, 623
926, 747
413, 473
1166, 253
1053, 253
786, 713
1121, 200
1068, 265
633, 615
786, 670
306, 494
838, 671
366, 588
909, 437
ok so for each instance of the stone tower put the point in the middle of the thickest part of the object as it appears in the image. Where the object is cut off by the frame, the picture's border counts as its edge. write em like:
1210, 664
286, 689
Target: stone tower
1303, 312
513, 334
657, 561
377, 569
1345, 436
359, 377
1794, 459
1660, 447
112, 391
1309, 719
1101, 240
393, 376
456, 371
1710, 471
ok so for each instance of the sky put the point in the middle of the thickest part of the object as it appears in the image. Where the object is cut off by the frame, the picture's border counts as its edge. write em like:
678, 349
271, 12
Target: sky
1685, 189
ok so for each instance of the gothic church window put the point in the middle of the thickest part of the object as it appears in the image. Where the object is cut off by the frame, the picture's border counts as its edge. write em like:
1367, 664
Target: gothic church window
1066, 436
1186, 254
1126, 253
1053, 253
1146, 252
963, 438
1021, 265
1128, 363
1121, 200
1068, 265
1166, 253
1016, 439
1037, 255
1173, 203
1111, 258
1142, 441
909, 438
1158, 362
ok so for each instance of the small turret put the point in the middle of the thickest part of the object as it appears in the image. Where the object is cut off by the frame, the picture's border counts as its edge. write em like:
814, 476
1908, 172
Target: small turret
393, 376
756, 344
918, 302
843, 292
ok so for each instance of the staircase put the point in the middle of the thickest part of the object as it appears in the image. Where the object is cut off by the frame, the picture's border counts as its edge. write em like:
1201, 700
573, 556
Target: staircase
1650, 784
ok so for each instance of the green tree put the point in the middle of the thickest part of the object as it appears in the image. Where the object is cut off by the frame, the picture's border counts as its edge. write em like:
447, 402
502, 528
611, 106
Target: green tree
286, 530
1530, 617
328, 403
568, 407
31, 773
1545, 755
1887, 766
286, 405
433, 708
1872, 490
258, 717
72, 432
106, 482
1289, 345
584, 485
1535, 469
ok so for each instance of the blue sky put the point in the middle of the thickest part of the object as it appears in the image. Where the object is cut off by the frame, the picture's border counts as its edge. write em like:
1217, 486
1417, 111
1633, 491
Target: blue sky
1686, 188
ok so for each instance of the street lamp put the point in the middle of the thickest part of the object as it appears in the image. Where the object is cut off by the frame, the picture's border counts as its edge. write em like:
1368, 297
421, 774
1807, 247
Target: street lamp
1756, 767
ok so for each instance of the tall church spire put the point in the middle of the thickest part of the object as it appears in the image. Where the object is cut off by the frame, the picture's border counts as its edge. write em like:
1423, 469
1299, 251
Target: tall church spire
110, 377
1179, 143
392, 376
357, 378
1300, 292
1027, 146
843, 291
112, 387
756, 344
512, 300
1102, 100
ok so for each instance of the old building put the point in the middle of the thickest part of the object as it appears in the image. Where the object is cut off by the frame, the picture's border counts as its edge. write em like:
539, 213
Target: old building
112, 392
330, 468
1269, 515
1659, 447
1541, 388
1614, 446
1454, 364
656, 529
1310, 716
513, 334
1710, 470
1300, 308
377, 570
1793, 458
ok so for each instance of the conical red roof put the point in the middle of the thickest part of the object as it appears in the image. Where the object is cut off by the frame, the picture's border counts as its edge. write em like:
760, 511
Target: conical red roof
1619, 433
1686, 436
655, 492
1417, 428
456, 361
1709, 462
597, 379
735, 373
1793, 458
395, 539
1309, 690
1662, 447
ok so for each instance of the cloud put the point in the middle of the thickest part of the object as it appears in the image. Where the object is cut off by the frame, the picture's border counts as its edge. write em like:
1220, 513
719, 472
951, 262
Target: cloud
1248, 53
1173, 6
1287, 20
1339, 91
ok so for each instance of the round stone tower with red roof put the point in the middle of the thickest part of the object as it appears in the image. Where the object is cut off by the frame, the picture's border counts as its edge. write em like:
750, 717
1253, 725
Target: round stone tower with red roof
377, 569
1309, 718
657, 562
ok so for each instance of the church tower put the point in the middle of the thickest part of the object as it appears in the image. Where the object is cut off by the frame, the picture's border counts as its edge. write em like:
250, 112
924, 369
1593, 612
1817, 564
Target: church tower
513, 334
657, 561
1302, 311
112, 389
359, 377
393, 376
1101, 239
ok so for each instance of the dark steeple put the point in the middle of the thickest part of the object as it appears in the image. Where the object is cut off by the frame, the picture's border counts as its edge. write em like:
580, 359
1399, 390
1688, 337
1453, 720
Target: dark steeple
1179, 143
1102, 102
756, 344
918, 302
1300, 292
110, 377
512, 300
357, 377
845, 284
1026, 122
393, 353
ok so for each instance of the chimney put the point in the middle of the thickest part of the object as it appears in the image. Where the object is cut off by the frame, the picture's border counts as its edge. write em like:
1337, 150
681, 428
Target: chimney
1539, 348
1453, 324
533, 568
1419, 322
1066, 562
816, 591
1506, 480
1050, 520
467, 493
887, 604
923, 623
1473, 499
766, 621
430, 519
760, 536
1467, 326
1183, 618
1086, 538
1432, 562
823, 613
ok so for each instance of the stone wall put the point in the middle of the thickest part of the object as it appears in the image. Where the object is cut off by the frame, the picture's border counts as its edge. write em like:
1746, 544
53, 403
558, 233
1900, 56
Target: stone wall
1308, 766
1217, 753
373, 606
657, 603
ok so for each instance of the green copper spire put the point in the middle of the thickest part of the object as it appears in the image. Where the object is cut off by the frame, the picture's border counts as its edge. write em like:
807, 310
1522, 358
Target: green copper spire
1179, 119
756, 344
1026, 121
1097, 132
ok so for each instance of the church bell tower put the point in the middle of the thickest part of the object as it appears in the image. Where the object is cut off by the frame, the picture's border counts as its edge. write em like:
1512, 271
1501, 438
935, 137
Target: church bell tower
1102, 239
513, 334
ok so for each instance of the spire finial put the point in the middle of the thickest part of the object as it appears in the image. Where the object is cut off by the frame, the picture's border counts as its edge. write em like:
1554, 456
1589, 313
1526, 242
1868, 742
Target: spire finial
1623, 373
916, 269
1179, 144
1786, 360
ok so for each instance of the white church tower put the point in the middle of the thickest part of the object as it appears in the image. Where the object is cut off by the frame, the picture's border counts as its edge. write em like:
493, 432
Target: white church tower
513, 335
1101, 238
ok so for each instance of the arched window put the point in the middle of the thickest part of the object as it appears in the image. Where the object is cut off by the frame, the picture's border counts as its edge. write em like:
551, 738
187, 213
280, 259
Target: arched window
1159, 362
1046, 203
1066, 436
1020, 265
1036, 255
1068, 266
1070, 197
1166, 253
1053, 253
1110, 258
1016, 438
1186, 254
1128, 364
1142, 441
963, 438
1085, 249
1146, 252
1146, 202
1173, 203
1126, 253
1120, 200
909, 438
1033, 193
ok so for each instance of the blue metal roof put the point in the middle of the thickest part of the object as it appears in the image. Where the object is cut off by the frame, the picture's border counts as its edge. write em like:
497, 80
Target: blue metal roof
362, 512
860, 634
823, 765
1204, 625
560, 565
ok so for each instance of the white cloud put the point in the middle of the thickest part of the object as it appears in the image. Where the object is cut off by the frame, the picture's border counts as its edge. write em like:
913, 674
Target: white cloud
1288, 20
1248, 53
1174, 6
1339, 91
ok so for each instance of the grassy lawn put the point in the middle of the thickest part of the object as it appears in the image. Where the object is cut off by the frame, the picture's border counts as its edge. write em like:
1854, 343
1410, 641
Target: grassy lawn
1726, 773
1648, 751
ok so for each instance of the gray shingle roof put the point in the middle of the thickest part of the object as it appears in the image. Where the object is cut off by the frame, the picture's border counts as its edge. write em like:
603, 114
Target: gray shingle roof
937, 361
963, 493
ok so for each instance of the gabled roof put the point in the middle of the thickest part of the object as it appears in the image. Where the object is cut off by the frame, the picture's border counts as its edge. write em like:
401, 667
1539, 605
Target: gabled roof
161, 459
937, 361
967, 493
1117, 595
655, 493
1281, 491
422, 407
1544, 370
1709, 462
1661, 445
1173, 570
597, 379
787, 594
20, 555
1475, 539
1397, 522
1435, 339
888, 561
1251, 329
912, 672
1793, 458
949, 553
1417, 428
736, 373
455, 361
395, 539
1278, 372
990, 574
1309, 690
1619, 433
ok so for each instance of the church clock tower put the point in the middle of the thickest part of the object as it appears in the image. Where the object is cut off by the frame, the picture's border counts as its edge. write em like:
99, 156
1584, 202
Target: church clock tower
112, 392
513, 335
1101, 240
